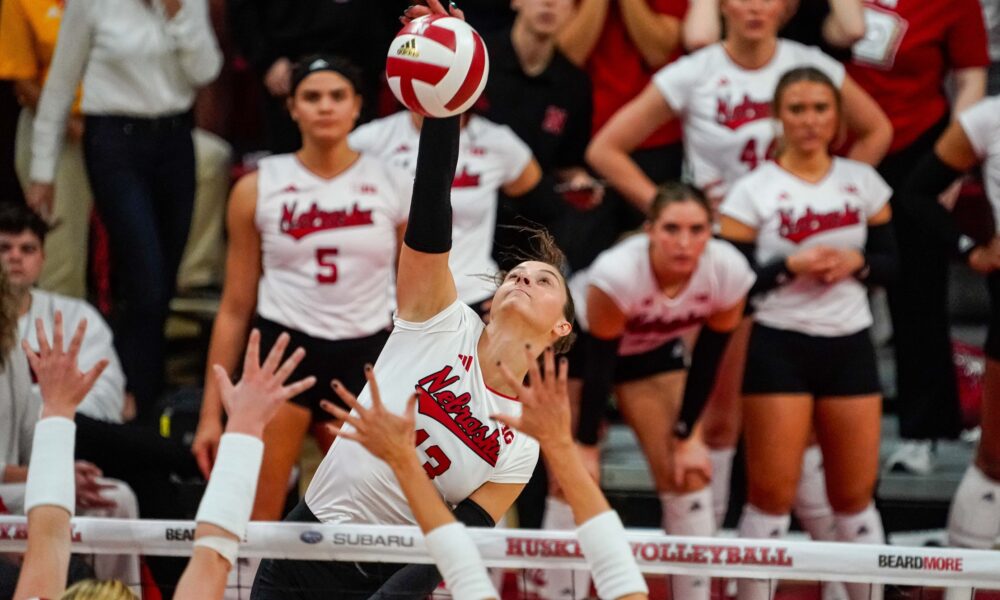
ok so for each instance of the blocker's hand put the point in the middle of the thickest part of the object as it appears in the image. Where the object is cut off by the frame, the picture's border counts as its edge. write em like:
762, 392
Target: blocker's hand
389, 436
63, 386
430, 7
545, 413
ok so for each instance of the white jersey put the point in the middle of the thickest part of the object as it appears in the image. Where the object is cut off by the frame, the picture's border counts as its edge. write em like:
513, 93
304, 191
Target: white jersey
489, 156
623, 272
329, 245
460, 445
981, 124
791, 214
726, 109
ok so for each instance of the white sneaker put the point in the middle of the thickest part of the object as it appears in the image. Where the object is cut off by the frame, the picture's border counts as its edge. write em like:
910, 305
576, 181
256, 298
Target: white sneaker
915, 457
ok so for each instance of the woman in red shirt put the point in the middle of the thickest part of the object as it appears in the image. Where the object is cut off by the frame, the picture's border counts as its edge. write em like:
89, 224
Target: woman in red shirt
909, 49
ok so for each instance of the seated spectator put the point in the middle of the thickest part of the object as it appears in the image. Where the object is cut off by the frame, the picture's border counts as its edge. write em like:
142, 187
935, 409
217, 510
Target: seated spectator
95, 495
22, 237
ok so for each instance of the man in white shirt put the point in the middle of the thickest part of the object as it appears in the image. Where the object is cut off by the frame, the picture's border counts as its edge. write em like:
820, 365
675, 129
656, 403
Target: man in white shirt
22, 235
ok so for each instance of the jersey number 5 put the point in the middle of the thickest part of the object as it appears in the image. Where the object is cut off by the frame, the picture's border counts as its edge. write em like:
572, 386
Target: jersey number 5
439, 461
327, 267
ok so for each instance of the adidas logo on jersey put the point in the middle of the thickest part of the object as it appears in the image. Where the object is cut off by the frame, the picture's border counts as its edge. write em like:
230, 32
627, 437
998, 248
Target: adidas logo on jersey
300, 224
466, 361
798, 229
409, 49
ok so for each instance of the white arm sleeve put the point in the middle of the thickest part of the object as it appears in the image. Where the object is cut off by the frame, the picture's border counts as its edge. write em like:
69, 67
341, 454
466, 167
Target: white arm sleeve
68, 65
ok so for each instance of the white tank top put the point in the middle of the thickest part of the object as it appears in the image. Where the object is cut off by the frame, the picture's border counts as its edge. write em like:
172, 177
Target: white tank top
791, 214
981, 124
623, 272
329, 246
726, 109
489, 156
459, 444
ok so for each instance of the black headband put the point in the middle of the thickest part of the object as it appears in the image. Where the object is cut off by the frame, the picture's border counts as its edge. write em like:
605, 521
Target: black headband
323, 62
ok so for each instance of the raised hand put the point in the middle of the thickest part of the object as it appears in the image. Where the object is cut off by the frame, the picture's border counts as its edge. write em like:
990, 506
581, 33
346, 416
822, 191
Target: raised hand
62, 384
545, 413
389, 436
432, 7
261, 390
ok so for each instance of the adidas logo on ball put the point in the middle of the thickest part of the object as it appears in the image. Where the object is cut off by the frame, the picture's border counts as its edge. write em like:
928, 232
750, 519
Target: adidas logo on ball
446, 75
409, 49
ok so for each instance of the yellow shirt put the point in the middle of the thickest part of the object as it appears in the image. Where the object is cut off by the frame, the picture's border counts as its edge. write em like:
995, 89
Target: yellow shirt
29, 30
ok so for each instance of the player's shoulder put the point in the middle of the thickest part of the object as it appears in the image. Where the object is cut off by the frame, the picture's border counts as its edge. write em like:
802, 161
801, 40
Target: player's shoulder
848, 169
457, 317
712, 56
487, 132
724, 254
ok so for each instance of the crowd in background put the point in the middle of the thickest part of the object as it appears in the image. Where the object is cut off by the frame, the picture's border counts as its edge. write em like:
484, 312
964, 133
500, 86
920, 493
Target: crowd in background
125, 123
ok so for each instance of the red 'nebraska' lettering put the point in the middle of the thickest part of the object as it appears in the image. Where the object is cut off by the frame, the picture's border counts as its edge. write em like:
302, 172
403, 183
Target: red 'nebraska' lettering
637, 325
316, 219
798, 229
735, 116
453, 412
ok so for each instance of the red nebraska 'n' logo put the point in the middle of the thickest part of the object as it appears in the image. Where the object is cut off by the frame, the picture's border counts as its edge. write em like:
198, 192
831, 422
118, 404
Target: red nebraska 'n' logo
465, 179
441, 404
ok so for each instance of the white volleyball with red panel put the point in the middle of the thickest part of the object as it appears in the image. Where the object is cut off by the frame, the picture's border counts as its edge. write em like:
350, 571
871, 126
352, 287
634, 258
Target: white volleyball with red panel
437, 66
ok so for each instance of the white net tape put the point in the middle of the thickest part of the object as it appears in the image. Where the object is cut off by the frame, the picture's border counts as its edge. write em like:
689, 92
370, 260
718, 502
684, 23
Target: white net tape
532, 549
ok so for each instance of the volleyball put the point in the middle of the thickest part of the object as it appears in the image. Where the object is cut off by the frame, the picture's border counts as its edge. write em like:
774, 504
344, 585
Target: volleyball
437, 66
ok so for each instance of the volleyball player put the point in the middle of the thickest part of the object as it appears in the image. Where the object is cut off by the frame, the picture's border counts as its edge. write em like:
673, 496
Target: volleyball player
225, 508
441, 346
816, 229
491, 159
313, 238
636, 303
545, 416
970, 140
722, 95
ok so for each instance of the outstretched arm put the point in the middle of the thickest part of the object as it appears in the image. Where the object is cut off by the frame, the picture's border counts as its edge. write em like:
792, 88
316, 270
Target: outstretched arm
392, 438
225, 508
424, 283
50, 495
545, 416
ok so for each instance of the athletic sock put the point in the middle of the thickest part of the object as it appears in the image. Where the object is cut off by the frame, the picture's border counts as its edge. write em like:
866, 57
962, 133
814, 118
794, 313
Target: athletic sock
974, 518
561, 584
689, 514
756, 524
722, 471
812, 509
864, 527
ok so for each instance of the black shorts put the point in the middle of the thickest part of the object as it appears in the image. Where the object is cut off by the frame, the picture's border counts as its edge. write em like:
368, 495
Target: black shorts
317, 579
326, 360
662, 359
788, 362
992, 346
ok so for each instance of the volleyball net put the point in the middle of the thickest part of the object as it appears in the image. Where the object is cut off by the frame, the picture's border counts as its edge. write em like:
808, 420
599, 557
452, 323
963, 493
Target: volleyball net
959, 570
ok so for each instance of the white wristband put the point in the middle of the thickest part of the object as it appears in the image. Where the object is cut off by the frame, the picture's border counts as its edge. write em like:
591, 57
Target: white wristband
457, 557
229, 497
50, 473
225, 547
612, 565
